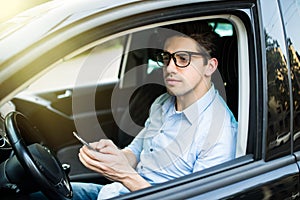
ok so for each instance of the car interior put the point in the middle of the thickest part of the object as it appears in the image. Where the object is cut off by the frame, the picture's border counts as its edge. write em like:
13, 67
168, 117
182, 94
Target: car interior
113, 103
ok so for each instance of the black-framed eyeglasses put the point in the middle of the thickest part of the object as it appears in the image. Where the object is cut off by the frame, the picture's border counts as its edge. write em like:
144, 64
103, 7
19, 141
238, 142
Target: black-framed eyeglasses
181, 58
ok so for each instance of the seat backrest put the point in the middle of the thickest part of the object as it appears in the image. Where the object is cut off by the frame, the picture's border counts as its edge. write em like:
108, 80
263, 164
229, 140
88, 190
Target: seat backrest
228, 67
139, 107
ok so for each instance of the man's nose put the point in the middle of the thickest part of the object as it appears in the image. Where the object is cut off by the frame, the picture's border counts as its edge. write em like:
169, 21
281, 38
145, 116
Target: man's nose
171, 67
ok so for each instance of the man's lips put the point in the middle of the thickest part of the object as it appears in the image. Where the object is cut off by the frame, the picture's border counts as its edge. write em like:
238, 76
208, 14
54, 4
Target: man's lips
172, 81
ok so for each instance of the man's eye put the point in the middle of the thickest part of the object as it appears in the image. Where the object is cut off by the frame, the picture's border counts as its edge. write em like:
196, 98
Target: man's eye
182, 57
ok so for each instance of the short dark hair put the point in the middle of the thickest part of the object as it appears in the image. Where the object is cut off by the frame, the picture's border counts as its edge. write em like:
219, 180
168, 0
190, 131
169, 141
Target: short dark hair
200, 31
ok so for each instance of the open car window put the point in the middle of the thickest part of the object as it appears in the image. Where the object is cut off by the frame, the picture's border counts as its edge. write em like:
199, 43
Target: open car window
105, 89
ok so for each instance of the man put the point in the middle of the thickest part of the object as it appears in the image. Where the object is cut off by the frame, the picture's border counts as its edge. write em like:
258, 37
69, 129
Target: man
189, 129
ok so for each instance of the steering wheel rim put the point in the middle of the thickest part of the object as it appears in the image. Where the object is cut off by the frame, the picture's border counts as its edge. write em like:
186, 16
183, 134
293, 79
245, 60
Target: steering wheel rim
38, 160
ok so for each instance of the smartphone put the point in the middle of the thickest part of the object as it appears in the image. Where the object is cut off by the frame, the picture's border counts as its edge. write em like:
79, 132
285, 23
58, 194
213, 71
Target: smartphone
83, 141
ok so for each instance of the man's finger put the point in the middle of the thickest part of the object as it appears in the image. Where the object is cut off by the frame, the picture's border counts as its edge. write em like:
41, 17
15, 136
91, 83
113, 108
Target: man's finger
104, 143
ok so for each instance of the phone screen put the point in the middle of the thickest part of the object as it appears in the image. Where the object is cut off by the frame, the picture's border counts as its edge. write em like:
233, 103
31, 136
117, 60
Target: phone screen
83, 141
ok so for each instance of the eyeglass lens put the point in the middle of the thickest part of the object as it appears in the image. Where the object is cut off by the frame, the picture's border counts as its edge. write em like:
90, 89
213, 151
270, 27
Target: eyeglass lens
181, 59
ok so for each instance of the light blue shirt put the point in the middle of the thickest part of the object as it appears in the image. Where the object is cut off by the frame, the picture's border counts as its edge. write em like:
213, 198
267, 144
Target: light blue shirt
174, 144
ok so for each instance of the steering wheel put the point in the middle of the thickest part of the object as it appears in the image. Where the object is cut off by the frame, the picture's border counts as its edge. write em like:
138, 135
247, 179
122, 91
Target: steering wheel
36, 159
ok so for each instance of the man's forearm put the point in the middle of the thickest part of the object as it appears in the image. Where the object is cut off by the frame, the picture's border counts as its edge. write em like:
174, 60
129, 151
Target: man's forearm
135, 182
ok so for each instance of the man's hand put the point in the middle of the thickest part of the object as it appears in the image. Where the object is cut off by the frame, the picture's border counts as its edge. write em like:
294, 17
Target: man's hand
112, 163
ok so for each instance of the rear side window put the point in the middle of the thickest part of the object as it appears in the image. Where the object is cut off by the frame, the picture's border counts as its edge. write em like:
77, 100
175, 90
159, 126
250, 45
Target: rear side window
291, 15
278, 132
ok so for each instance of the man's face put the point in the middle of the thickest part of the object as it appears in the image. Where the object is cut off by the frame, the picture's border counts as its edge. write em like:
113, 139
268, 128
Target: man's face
188, 81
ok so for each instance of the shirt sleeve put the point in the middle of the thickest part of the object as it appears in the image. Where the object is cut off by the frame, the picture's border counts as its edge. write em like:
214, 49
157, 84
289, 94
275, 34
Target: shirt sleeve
222, 151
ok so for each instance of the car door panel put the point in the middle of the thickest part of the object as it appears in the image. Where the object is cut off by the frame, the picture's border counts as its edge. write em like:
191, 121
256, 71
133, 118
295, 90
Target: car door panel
251, 180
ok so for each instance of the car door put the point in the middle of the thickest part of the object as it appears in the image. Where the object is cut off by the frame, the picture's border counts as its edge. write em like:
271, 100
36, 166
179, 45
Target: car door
262, 170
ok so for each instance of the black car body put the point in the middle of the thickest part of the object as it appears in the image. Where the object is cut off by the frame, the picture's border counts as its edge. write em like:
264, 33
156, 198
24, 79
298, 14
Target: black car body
77, 65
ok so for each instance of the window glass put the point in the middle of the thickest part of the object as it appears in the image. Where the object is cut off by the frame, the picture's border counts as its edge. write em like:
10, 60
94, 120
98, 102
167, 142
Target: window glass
222, 28
104, 59
278, 132
291, 16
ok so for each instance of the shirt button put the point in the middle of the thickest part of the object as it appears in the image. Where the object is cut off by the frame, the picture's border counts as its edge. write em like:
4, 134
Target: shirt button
142, 167
161, 131
151, 149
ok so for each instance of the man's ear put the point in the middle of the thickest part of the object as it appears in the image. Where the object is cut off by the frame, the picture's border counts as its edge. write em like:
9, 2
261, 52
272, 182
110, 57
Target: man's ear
211, 66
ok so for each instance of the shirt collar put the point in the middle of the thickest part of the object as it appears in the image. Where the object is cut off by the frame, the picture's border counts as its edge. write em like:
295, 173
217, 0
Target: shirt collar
169, 104
193, 111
